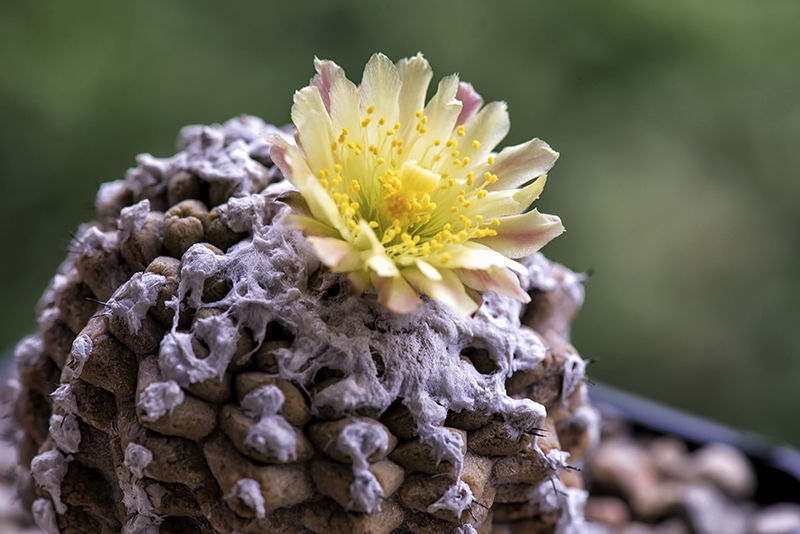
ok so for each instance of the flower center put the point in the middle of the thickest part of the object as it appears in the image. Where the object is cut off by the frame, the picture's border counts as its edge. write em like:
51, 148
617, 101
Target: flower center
415, 207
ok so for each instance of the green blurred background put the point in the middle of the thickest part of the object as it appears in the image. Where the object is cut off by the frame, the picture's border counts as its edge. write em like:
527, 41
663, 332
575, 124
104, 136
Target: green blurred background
678, 124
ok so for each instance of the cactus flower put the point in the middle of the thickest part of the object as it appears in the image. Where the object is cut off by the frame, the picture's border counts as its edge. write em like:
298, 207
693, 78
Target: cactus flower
409, 197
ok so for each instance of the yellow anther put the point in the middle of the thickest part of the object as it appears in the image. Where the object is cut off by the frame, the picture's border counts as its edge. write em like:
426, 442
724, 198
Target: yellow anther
418, 113
321, 174
460, 131
490, 159
437, 142
351, 224
444, 258
373, 224
451, 182
467, 204
334, 145
479, 218
476, 144
461, 198
482, 193
324, 183
371, 110
381, 161
424, 119
454, 209
465, 161
366, 121
337, 168
496, 222
450, 143
381, 121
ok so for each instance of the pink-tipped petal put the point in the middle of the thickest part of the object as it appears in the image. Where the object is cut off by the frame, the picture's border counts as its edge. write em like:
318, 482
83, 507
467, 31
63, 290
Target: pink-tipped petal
449, 290
277, 153
470, 100
497, 279
396, 294
327, 71
339, 255
522, 235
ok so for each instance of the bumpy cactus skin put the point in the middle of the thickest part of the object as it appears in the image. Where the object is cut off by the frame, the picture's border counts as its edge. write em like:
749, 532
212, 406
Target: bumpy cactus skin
229, 383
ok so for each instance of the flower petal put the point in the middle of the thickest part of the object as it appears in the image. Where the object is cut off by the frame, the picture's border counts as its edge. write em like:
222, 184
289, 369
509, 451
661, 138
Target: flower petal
497, 279
473, 255
508, 202
381, 264
470, 100
488, 127
416, 74
522, 235
277, 153
327, 71
319, 201
314, 129
396, 294
346, 108
428, 270
296, 201
359, 282
309, 226
339, 255
449, 290
518, 164
380, 87
442, 112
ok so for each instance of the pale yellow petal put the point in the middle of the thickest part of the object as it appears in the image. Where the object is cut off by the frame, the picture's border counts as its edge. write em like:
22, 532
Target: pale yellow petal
396, 294
448, 290
319, 201
518, 164
296, 201
314, 129
473, 255
428, 270
339, 255
309, 226
522, 235
381, 264
416, 74
346, 108
442, 112
380, 87
498, 279
488, 127
359, 282
504, 203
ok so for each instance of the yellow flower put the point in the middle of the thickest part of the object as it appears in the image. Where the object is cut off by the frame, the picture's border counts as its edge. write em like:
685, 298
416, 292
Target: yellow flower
408, 197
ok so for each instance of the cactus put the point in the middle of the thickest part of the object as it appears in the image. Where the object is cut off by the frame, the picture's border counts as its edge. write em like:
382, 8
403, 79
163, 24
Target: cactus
198, 370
